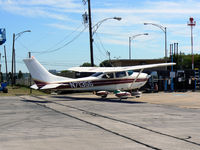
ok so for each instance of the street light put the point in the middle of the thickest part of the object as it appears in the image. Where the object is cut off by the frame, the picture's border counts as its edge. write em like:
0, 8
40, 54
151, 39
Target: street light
94, 29
164, 29
20, 33
97, 25
15, 37
131, 38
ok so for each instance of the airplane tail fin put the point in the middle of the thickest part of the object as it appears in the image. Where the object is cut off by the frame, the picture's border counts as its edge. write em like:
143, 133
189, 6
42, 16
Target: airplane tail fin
40, 75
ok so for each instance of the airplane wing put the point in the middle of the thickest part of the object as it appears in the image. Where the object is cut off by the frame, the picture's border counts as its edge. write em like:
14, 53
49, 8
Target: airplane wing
117, 69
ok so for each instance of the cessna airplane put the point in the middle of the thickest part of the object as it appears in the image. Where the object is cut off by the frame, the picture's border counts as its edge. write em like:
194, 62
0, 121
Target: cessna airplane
104, 79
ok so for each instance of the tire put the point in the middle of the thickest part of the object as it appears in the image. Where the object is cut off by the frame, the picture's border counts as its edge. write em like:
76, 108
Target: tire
5, 90
104, 96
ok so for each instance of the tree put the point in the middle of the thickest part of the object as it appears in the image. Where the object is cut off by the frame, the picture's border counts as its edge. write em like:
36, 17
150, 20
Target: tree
9, 76
105, 63
86, 64
1, 77
185, 61
20, 75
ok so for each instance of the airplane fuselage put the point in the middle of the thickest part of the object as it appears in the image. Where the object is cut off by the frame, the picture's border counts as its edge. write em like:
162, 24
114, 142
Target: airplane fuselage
102, 82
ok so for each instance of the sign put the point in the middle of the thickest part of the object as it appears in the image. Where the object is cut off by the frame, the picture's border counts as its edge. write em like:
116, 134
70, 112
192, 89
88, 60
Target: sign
2, 36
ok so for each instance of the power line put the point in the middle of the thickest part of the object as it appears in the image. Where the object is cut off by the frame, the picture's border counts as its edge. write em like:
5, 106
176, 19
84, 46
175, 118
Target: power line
69, 35
101, 43
57, 49
97, 46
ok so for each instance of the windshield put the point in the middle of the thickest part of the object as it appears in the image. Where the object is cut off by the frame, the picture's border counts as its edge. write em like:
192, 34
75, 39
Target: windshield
130, 72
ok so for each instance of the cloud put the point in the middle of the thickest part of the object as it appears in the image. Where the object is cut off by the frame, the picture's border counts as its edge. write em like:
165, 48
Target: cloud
156, 11
50, 3
63, 26
38, 8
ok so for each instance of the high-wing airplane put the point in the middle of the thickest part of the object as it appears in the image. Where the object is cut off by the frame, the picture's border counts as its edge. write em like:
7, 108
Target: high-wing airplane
104, 79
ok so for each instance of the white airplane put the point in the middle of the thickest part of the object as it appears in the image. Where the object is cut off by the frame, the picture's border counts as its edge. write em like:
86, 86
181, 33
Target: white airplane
104, 79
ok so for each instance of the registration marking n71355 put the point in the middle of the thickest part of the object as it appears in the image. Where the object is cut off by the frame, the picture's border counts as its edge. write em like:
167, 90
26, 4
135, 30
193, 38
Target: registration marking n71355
81, 84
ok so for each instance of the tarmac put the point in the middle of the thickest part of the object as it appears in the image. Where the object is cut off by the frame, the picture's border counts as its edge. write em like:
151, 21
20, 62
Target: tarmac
167, 121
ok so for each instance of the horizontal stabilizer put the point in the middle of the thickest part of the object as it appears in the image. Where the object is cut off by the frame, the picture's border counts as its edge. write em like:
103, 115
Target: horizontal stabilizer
50, 86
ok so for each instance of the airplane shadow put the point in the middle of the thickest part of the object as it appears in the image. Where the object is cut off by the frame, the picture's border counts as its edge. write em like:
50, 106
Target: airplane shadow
35, 101
108, 100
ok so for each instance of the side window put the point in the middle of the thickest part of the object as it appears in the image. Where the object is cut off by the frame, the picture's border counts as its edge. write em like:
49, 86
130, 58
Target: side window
120, 74
108, 76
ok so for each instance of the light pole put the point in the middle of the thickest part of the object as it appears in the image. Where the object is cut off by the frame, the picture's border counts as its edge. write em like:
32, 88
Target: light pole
164, 29
15, 37
131, 38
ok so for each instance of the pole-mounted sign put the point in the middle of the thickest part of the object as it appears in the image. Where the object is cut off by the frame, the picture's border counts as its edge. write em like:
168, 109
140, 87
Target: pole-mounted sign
2, 36
192, 23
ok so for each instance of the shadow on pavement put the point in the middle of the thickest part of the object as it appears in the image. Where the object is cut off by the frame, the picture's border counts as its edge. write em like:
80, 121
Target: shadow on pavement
109, 100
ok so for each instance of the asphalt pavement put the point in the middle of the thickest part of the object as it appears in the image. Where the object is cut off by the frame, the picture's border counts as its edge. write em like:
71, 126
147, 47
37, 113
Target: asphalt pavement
168, 121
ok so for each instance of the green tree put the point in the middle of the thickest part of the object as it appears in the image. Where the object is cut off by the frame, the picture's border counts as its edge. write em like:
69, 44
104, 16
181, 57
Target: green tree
185, 61
105, 63
86, 64
20, 75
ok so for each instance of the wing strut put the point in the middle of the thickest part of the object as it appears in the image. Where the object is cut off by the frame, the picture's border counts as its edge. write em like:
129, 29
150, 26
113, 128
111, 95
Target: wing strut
136, 78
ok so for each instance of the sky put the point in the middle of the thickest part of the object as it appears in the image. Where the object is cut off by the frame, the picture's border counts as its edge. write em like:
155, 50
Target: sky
59, 39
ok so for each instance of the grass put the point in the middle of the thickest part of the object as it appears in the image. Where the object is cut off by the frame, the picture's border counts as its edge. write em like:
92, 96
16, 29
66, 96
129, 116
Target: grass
21, 90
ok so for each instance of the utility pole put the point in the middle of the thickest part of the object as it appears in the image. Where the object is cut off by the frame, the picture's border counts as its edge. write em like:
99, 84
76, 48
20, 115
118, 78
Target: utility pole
1, 74
192, 23
6, 63
0, 62
172, 73
90, 34
29, 54
13, 56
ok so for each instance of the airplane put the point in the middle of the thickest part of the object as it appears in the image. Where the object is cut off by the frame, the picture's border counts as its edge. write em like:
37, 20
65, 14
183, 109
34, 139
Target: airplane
105, 79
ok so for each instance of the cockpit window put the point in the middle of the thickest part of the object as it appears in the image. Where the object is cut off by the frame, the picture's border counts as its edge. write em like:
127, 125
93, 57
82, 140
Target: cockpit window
120, 74
97, 74
108, 75
130, 72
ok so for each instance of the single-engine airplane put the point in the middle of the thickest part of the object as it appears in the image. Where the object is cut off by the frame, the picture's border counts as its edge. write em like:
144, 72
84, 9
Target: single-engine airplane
104, 79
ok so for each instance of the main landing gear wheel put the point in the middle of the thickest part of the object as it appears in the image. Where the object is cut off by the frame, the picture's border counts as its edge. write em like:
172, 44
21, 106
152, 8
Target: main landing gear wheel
137, 94
103, 94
